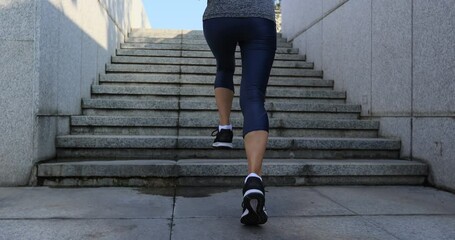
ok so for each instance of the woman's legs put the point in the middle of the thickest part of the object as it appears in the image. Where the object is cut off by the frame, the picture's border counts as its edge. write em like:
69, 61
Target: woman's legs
255, 146
258, 53
224, 97
222, 41
257, 39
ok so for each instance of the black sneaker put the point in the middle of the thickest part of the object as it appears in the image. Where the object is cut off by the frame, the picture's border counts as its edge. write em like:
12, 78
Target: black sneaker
253, 204
223, 138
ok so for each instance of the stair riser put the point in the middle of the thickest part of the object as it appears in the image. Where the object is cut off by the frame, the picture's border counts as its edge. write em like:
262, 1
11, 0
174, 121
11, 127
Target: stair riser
124, 83
227, 181
214, 113
272, 92
173, 131
210, 85
176, 41
198, 80
195, 54
201, 62
179, 39
134, 153
272, 107
185, 34
169, 69
185, 98
190, 47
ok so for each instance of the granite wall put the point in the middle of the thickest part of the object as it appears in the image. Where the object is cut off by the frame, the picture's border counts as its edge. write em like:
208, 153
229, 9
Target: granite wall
51, 53
394, 57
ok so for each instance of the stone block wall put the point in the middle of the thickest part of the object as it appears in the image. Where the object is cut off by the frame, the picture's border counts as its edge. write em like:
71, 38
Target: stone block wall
51, 53
394, 57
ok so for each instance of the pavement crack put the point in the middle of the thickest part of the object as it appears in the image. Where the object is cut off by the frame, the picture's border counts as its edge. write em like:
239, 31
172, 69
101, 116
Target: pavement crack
171, 225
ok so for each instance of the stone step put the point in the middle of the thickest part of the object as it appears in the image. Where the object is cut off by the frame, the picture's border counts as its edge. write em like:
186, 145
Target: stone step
179, 105
272, 92
169, 33
101, 125
199, 131
200, 61
228, 172
183, 147
179, 39
202, 70
196, 80
111, 107
200, 98
191, 47
280, 41
195, 54
213, 113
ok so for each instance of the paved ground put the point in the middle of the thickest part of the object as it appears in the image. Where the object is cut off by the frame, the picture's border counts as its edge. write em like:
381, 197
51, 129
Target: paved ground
341, 212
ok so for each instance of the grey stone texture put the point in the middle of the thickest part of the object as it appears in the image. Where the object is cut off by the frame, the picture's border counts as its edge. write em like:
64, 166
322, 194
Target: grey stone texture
396, 58
280, 228
107, 229
391, 58
397, 127
88, 203
198, 80
420, 228
346, 51
433, 143
52, 51
17, 85
324, 212
231, 168
434, 41
17, 104
394, 200
18, 20
298, 143
93, 213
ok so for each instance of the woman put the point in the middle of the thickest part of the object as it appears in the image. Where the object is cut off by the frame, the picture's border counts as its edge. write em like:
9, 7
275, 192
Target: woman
251, 25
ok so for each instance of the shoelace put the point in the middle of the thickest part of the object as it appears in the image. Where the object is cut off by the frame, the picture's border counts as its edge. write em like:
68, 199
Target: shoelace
214, 134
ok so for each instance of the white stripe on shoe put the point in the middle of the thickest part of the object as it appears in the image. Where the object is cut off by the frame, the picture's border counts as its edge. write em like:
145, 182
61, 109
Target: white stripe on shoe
253, 191
222, 144
245, 212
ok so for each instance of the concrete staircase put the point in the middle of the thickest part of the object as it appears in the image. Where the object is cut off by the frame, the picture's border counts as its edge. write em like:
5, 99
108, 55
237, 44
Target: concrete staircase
149, 122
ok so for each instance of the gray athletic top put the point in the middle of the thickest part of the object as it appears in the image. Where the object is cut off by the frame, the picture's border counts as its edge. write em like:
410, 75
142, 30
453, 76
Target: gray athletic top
240, 8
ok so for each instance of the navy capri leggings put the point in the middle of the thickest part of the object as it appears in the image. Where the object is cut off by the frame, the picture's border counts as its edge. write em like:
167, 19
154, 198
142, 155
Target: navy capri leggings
257, 40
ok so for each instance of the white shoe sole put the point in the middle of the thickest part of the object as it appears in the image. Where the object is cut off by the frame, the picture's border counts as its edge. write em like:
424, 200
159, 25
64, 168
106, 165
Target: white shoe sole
222, 145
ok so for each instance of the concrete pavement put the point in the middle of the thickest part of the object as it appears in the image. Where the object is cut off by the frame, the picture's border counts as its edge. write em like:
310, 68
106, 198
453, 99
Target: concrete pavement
322, 212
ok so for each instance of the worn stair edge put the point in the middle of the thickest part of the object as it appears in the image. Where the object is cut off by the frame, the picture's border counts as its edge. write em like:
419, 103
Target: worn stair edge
178, 40
231, 167
208, 91
157, 182
204, 79
280, 42
197, 105
203, 70
200, 62
200, 142
93, 121
170, 32
192, 47
182, 53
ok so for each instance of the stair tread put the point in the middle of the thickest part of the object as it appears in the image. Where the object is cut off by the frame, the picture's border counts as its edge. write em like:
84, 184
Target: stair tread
208, 91
206, 79
230, 167
202, 142
205, 122
202, 105
151, 60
